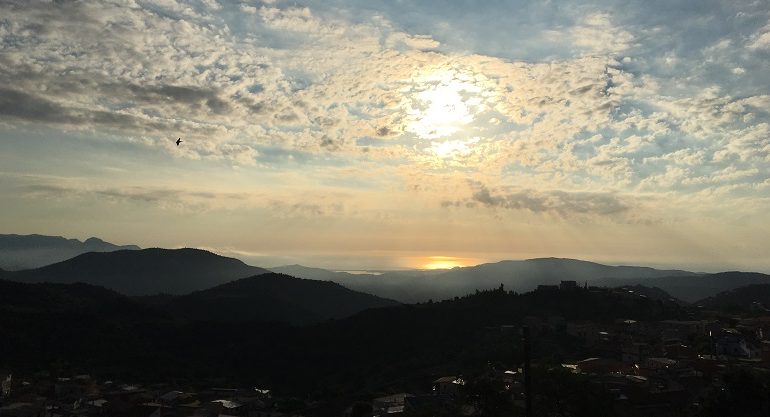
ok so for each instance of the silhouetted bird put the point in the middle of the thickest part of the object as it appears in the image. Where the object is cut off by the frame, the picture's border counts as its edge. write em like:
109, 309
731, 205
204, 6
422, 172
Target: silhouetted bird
178, 141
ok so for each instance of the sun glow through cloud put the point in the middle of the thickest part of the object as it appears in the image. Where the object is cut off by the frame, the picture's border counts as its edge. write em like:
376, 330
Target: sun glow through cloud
445, 103
342, 129
445, 262
450, 148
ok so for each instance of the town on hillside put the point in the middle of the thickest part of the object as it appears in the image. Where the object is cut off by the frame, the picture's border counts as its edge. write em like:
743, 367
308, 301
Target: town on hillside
630, 367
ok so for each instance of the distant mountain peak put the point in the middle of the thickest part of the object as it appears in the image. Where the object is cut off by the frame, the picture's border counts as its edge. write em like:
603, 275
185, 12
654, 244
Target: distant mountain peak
33, 251
144, 271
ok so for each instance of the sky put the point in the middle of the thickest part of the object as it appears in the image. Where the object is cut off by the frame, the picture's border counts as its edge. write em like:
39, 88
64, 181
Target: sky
393, 134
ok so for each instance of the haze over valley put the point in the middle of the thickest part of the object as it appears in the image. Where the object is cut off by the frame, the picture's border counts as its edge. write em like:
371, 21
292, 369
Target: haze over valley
147, 272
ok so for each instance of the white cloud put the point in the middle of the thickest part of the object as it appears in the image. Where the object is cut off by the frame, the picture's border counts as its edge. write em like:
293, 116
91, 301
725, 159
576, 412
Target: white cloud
269, 85
760, 39
594, 33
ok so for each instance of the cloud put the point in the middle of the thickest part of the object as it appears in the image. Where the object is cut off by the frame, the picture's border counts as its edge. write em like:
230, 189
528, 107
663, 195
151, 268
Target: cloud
177, 199
556, 108
574, 205
28, 107
760, 39
304, 209
595, 33
202, 199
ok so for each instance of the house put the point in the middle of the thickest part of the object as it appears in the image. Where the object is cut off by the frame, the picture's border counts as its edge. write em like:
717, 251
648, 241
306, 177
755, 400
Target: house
580, 329
535, 324
681, 329
228, 407
428, 404
733, 344
764, 348
5, 390
635, 352
389, 405
676, 349
21, 409
659, 363
449, 385
598, 366
557, 324
568, 285
171, 396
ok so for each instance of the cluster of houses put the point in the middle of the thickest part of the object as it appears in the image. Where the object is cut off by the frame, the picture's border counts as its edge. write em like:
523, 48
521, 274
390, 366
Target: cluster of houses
441, 398
663, 367
670, 366
84, 396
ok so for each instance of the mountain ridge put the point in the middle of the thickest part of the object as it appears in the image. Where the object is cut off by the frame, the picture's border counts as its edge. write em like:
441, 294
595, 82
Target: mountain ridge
143, 272
274, 297
518, 275
694, 288
751, 297
19, 252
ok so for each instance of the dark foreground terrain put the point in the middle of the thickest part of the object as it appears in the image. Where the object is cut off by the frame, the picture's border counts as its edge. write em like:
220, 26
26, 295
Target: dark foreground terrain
595, 352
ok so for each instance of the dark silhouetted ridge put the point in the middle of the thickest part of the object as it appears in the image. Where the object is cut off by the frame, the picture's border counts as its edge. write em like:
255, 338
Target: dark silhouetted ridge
274, 297
377, 345
143, 272
697, 287
19, 252
524, 275
76, 298
754, 297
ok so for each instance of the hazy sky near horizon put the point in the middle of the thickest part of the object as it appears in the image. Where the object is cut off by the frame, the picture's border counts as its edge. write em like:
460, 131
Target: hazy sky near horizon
375, 134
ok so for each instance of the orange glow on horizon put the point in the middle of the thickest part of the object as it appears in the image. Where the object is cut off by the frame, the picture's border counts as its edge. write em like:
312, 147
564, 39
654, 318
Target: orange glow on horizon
445, 262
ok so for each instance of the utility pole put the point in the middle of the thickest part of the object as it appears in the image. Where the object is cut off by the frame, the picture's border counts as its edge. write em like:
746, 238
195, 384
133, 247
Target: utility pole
527, 373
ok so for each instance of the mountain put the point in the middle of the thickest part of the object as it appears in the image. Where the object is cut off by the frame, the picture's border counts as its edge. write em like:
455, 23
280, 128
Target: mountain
314, 273
33, 251
45, 323
750, 297
79, 298
376, 349
528, 274
274, 297
408, 286
653, 293
695, 287
218, 287
524, 275
143, 272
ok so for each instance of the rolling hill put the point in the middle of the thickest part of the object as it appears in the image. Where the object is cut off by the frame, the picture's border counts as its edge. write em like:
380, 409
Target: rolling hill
695, 287
524, 275
45, 323
740, 299
368, 350
274, 297
79, 298
143, 272
19, 252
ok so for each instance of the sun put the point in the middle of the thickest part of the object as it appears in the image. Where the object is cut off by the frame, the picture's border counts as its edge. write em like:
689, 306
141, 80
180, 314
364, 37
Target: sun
443, 262
448, 148
443, 104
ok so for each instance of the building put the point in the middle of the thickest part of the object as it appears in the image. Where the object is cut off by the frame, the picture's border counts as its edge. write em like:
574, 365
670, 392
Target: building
449, 385
733, 344
389, 405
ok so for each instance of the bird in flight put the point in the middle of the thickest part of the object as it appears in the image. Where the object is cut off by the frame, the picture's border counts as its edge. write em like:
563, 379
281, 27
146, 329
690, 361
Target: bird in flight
178, 141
